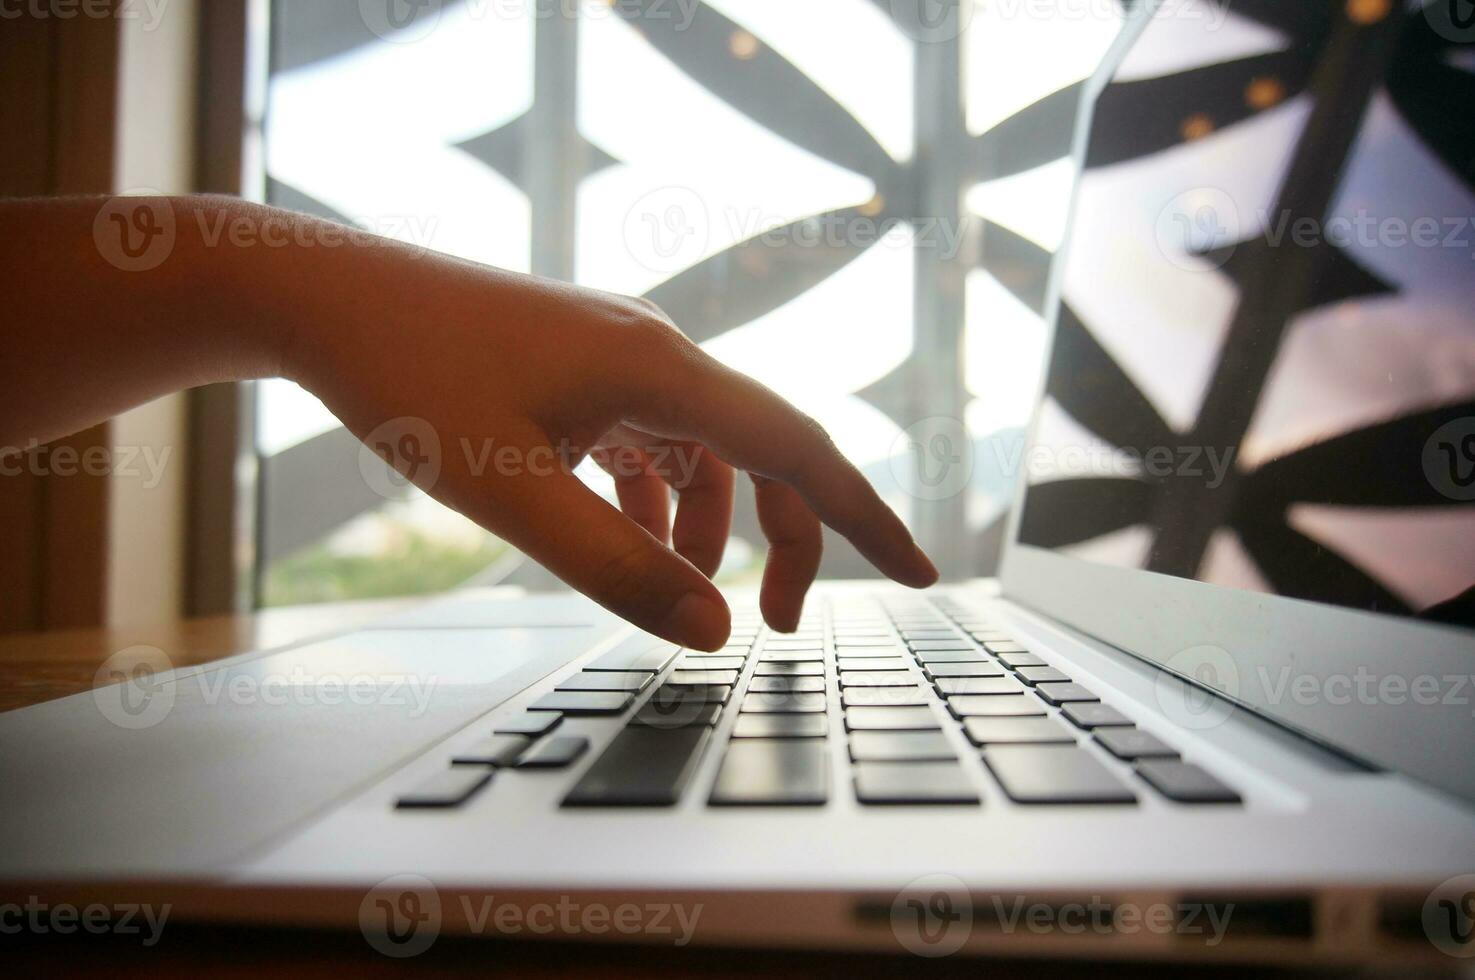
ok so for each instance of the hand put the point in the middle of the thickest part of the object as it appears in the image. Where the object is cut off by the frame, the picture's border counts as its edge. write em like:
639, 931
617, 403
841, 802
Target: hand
489, 361
520, 378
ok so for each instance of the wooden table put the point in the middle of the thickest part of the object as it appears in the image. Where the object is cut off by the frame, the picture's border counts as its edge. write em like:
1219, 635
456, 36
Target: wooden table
39, 667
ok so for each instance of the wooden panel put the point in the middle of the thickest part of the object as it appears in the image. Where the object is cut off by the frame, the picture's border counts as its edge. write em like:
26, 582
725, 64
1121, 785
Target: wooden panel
85, 105
57, 113
25, 132
25, 122
219, 556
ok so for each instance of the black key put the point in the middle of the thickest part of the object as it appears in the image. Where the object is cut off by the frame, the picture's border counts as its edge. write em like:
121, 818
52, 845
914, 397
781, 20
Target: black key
900, 783
969, 656
1064, 693
792, 657
1133, 743
584, 702
979, 685
993, 646
554, 753
1042, 675
494, 750
884, 697
640, 652
701, 678
901, 747
781, 726
685, 693
1015, 658
862, 664
530, 723
780, 702
879, 678
641, 767
993, 705
1016, 731
793, 685
1185, 782
936, 671
789, 670
710, 663
1094, 715
446, 789
1054, 774
689, 714
607, 680
907, 719
771, 771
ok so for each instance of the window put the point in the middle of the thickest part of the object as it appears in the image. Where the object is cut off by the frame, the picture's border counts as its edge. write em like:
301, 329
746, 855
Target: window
828, 195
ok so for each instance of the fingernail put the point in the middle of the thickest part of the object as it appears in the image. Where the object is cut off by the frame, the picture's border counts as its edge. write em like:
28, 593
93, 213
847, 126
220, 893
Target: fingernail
698, 622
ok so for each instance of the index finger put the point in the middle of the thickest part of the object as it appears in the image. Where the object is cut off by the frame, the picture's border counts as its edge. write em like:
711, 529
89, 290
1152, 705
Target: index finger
753, 428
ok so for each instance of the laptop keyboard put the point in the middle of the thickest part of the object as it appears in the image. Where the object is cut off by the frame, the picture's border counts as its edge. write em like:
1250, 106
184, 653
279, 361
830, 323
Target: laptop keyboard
902, 676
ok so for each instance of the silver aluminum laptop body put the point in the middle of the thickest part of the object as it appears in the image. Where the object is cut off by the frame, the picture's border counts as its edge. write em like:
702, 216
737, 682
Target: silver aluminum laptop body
271, 787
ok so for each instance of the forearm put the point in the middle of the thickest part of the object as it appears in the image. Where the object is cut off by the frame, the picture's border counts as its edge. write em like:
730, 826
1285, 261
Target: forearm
110, 306
206, 289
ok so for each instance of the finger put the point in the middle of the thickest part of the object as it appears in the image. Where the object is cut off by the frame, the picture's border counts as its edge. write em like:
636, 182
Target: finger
795, 544
704, 485
643, 494
704, 488
753, 428
569, 529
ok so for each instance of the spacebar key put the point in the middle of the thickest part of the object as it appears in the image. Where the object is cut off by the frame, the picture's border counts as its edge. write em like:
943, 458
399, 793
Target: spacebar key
641, 767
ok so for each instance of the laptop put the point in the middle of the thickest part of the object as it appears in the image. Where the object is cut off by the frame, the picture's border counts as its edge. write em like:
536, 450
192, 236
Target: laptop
1187, 720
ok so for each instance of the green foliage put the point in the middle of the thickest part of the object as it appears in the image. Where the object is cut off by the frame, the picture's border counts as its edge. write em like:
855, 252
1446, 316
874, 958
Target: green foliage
417, 565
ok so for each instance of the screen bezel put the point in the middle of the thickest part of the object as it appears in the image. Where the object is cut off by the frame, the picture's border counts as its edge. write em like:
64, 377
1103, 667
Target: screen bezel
1158, 617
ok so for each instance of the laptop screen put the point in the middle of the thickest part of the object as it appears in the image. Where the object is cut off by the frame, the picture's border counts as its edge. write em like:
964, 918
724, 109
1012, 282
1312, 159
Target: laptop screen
1264, 368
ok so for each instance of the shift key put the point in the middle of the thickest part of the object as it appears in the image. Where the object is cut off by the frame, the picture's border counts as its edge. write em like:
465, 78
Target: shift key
641, 767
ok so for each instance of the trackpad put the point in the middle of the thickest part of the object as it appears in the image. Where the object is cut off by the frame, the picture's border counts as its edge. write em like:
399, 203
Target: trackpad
197, 770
